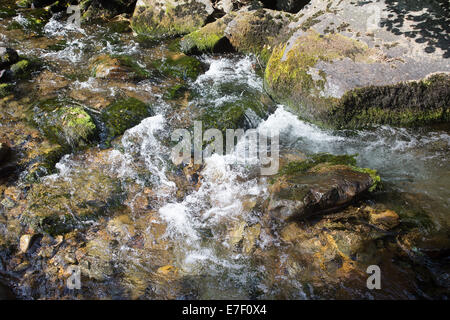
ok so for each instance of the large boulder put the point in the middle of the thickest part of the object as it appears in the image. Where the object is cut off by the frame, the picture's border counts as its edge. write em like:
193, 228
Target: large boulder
251, 30
351, 64
162, 18
318, 185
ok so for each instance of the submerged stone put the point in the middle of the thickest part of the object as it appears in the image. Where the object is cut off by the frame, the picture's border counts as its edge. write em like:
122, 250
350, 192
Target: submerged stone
62, 204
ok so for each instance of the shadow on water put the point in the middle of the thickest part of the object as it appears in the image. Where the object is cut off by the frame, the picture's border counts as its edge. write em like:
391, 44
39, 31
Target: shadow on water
431, 26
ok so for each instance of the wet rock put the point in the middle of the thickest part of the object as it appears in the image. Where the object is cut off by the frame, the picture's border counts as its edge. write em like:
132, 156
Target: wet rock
96, 259
8, 57
121, 226
245, 112
244, 237
117, 67
165, 18
385, 220
324, 184
64, 122
21, 69
60, 205
124, 114
6, 293
339, 69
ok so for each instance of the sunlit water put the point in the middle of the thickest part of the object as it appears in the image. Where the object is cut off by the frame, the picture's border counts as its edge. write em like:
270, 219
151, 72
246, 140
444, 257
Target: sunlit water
410, 161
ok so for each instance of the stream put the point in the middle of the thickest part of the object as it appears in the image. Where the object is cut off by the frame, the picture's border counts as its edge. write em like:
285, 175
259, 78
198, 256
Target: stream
206, 236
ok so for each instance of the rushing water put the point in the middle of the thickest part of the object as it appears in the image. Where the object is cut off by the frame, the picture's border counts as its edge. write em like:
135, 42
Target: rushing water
413, 163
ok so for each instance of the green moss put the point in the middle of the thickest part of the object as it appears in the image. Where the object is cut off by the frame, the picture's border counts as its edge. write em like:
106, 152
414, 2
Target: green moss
58, 46
129, 62
298, 167
122, 115
21, 69
406, 104
209, 38
373, 174
295, 168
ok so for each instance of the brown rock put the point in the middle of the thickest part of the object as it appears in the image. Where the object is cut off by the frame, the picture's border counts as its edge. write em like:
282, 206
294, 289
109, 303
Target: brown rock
385, 220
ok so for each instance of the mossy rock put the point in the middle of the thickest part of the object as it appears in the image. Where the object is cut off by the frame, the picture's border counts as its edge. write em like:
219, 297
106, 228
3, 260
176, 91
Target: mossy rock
122, 115
409, 103
157, 19
68, 203
101, 11
64, 122
323, 183
58, 46
178, 65
44, 164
